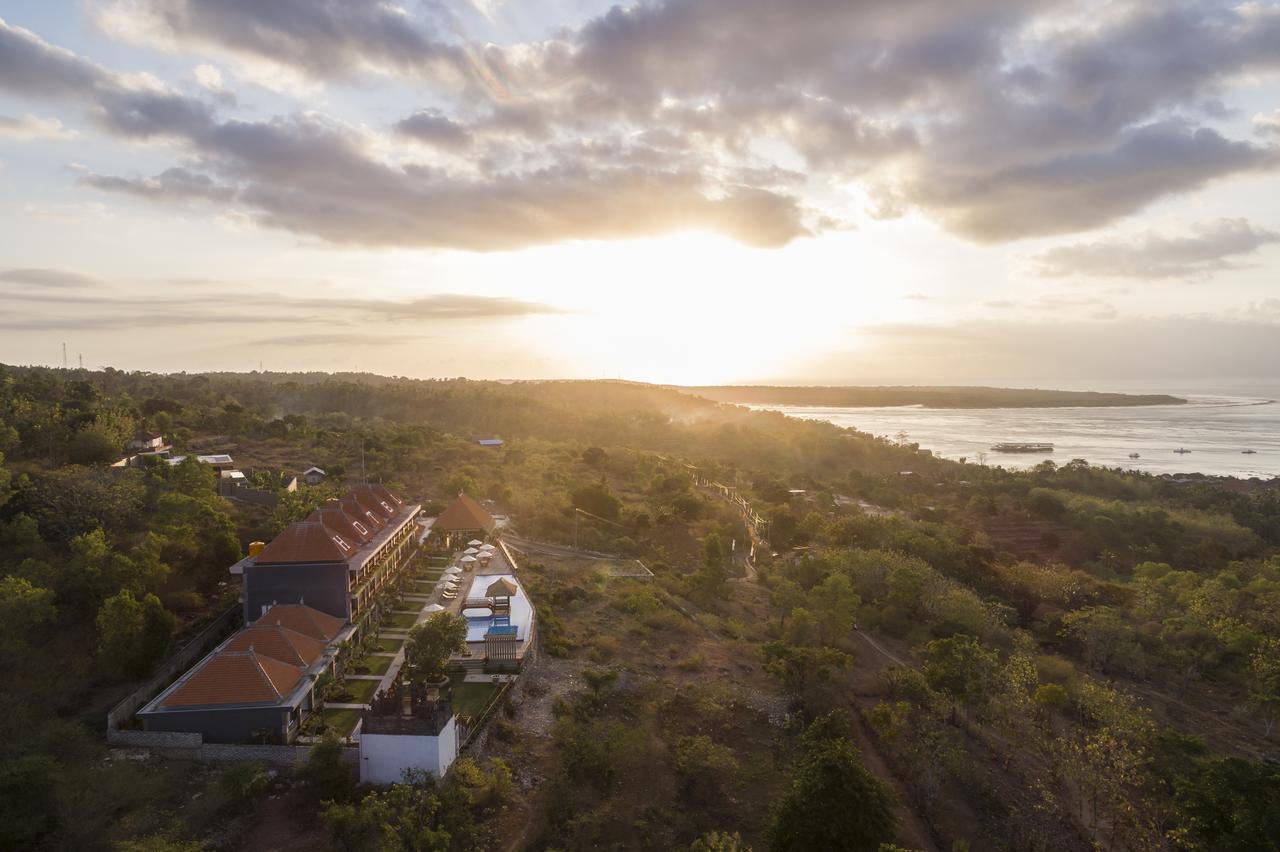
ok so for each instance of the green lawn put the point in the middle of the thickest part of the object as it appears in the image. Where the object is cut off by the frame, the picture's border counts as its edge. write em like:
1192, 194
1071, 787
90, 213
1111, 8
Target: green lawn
400, 620
343, 722
359, 690
384, 643
470, 698
374, 665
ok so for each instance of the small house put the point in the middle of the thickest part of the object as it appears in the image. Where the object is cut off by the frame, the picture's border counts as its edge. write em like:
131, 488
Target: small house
313, 475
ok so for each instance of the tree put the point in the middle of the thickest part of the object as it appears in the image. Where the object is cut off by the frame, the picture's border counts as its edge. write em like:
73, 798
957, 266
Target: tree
785, 595
833, 802
719, 841
133, 635
703, 765
799, 667
462, 483
962, 669
432, 642
835, 605
329, 773
598, 499
1264, 682
594, 457
91, 446
22, 608
1105, 638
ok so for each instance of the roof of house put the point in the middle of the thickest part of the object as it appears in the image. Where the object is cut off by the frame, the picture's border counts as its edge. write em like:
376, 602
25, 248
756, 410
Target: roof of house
503, 588
314, 469
236, 677
464, 514
220, 458
147, 436
489, 442
306, 541
305, 620
333, 516
279, 643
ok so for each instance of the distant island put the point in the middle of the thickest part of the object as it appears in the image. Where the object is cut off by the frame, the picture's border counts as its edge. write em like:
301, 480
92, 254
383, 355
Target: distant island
933, 397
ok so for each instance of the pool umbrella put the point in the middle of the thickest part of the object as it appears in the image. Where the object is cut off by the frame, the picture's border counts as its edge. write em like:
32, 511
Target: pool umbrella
488, 547
471, 551
475, 542
435, 608
453, 569
467, 559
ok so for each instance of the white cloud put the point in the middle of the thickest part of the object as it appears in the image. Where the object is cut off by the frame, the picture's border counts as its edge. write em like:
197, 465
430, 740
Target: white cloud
33, 127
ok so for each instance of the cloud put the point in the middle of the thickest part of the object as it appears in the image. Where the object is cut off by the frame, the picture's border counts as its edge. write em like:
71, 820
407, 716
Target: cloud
1267, 123
1078, 191
54, 278
1208, 249
33, 127
345, 340
325, 39
435, 128
998, 120
175, 184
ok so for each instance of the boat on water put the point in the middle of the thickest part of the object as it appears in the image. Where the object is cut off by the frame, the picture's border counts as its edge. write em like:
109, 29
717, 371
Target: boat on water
1135, 455
1249, 452
1030, 447
1182, 451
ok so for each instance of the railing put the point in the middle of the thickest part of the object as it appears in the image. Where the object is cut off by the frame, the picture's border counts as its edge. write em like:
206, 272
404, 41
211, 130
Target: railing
197, 647
479, 722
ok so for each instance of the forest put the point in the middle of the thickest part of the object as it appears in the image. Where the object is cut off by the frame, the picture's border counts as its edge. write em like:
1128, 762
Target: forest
919, 654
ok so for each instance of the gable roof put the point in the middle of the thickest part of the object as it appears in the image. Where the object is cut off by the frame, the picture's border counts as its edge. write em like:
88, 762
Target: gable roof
233, 677
464, 514
279, 643
333, 516
306, 541
305, 620
313, 469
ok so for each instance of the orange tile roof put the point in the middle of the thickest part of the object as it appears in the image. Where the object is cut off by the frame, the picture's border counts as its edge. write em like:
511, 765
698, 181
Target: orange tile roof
331, 514
279, 643
306, 541
233, 677
355, 509
304, 620
464, 514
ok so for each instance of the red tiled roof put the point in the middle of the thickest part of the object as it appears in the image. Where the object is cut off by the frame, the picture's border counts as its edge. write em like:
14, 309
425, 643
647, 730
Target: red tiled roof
371, 503
333, 516
233, 677
464, 514
279, 643
386, 494
306, 541
353, 507
304, 620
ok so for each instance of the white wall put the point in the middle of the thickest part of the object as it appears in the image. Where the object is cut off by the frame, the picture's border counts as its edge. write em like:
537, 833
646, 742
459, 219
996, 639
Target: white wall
385, 757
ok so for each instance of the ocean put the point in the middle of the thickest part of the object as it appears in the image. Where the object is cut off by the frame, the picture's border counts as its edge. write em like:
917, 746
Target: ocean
1216, 428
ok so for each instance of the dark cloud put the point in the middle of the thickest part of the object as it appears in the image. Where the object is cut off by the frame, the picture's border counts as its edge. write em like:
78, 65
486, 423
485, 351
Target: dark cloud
41, 278
1081, 190
31, 67
999, 120
1211, 247
325, 39
435, 128
175, 184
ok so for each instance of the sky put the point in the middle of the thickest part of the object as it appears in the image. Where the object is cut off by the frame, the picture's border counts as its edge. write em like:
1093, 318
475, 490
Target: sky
689, 191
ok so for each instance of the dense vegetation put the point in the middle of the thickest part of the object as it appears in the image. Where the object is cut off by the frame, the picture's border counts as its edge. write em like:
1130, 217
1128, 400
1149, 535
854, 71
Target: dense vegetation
1063, 659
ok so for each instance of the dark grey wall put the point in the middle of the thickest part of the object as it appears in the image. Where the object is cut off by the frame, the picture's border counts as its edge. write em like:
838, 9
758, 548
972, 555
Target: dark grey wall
221, 726
319, 586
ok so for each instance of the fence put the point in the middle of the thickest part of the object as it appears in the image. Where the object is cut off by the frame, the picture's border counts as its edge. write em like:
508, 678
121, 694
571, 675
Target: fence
478, 723
200, 644
190, 746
